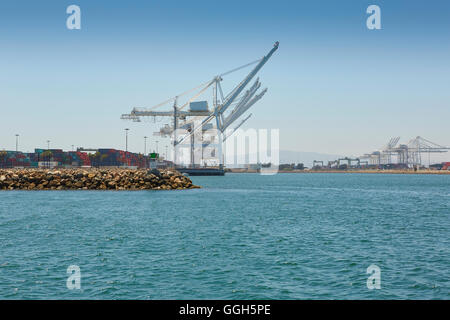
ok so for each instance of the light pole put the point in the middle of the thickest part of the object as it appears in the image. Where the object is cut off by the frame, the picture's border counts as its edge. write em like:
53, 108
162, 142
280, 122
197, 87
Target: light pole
72, 148
126, 139
157, 146
17, 142
145, 145
48, 153
165, 156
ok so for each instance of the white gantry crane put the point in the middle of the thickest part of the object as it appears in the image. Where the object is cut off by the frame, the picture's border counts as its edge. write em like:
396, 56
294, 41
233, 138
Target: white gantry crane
225, 109
409, 154
417, 146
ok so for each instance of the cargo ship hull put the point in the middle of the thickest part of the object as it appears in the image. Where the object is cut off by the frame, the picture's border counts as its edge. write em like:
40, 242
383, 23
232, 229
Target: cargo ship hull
202, 171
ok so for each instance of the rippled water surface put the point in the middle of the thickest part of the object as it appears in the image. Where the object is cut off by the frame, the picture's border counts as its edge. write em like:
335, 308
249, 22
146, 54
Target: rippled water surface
242, 236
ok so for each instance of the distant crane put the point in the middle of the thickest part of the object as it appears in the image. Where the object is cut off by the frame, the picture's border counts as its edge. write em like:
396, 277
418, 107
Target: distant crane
317, 164
419, 145
349, 161
409, 154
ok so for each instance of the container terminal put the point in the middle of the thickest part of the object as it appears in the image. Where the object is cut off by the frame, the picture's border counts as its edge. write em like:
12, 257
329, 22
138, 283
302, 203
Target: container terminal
414, 154
206, 129
57, 158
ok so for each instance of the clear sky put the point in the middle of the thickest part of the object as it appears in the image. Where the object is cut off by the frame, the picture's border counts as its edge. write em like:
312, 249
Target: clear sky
334, 86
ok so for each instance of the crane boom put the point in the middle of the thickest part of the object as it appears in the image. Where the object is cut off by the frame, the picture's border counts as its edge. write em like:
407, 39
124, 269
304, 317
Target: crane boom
242, 109
247, 96
237, 127
220, 109
247, 79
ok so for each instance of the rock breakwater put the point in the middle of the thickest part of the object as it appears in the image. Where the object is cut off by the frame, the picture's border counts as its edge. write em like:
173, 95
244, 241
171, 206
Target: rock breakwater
93, 179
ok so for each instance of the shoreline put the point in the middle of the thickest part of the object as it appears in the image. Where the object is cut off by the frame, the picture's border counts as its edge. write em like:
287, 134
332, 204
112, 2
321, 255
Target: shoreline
431, 172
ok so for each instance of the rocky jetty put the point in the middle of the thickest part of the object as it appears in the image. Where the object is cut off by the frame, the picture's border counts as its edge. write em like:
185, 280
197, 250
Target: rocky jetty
93, 179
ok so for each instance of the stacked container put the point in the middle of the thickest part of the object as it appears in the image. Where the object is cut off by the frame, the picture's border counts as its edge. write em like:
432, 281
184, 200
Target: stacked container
106, 157
9, 159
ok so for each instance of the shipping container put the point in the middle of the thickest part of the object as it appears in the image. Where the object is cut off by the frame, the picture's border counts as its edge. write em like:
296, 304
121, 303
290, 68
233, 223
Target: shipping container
198, 106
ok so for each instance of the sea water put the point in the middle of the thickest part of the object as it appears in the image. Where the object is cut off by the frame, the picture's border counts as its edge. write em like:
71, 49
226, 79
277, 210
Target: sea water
242, 236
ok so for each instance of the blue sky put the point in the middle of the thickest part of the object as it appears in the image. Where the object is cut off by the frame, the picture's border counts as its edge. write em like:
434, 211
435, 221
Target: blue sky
334, 86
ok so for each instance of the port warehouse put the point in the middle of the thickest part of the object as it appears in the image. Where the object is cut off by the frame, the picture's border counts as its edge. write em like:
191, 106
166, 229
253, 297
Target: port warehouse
60, 158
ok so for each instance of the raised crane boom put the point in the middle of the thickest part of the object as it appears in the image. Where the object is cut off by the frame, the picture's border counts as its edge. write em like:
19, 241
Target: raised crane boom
247, 79
220, 109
